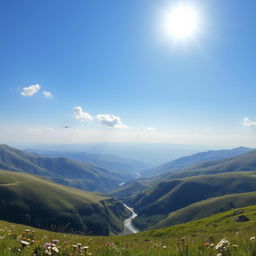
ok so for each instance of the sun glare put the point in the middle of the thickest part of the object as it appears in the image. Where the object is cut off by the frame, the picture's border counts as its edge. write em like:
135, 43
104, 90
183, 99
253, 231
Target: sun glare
181, 22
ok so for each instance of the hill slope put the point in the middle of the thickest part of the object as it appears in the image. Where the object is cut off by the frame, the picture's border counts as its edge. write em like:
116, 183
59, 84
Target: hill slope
186, 161
35, 201
154, 203
62, 170
207, 208
241, 163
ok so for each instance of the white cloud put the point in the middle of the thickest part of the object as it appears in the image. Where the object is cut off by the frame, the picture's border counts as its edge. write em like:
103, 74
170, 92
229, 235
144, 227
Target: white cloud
248, 122
47, 94
30, 90
110, 120
151, 129
80, 115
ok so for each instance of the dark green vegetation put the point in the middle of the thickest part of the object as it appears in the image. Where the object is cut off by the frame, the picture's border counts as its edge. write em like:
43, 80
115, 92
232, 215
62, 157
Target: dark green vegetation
126, 168
187, 161
197, 238
35, 201
59, 169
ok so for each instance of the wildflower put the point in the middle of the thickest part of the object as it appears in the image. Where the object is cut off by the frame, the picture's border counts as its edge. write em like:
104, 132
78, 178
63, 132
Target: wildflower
164, 247
27, 230
55, 249
206, 244
219, 254
109, 244
222, 244
48, 252
24, 243
253, 238
47, 245
235, 246
55, 241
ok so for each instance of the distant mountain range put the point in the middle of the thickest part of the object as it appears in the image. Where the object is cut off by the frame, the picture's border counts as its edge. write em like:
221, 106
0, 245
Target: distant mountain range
61, 170
240, 163
126, 168
152, 154
187, 161
37, 202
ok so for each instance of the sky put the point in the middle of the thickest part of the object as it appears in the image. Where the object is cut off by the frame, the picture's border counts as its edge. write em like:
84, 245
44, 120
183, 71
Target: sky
95, 71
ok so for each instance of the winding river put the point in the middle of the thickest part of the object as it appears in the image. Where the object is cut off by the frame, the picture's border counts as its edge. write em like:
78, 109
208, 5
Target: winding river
128, 227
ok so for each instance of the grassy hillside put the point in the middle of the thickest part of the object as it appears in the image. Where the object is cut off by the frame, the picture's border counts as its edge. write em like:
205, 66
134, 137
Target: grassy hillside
187, 161
241, 163
62, 170
35, 201
207, 208
197, 238
154, 203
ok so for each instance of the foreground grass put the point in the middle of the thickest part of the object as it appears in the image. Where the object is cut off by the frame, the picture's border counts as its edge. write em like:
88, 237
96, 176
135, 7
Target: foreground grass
198, 238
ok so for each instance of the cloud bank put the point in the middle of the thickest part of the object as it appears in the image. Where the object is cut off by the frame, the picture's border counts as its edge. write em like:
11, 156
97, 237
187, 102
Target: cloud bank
30, 90
249, 123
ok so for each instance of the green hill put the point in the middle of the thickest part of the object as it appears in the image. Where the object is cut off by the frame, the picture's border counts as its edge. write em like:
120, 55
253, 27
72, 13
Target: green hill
207, 208
35, 201
197, 158
62, 170
155, 202
241, 163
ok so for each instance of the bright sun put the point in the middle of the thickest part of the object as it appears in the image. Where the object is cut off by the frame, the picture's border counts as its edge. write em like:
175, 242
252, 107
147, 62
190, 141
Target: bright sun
181, 22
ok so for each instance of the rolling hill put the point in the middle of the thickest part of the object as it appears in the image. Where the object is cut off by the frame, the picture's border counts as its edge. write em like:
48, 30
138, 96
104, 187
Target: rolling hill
126, 168
240, 163
207, 208
155, 202
35, 201
62, 170
187, 161
244, 162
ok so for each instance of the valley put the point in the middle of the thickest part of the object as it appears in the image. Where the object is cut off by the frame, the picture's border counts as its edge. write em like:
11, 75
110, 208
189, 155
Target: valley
172, 197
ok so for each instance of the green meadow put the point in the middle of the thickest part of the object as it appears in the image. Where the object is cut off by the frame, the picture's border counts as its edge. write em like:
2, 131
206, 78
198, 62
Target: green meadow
220, 234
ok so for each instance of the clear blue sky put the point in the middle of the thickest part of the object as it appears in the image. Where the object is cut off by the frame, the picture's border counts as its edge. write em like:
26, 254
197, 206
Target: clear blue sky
109, 57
